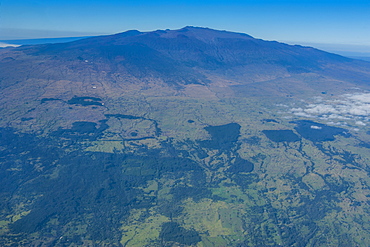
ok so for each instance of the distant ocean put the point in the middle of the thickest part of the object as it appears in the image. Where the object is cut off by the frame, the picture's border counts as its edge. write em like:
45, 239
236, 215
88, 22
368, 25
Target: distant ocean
18, 42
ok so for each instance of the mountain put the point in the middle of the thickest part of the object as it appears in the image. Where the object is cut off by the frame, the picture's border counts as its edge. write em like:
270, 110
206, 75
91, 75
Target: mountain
189, 137
186, 56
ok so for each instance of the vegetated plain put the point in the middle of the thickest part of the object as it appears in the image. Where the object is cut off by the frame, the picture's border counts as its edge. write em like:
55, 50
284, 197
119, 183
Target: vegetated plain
168, 138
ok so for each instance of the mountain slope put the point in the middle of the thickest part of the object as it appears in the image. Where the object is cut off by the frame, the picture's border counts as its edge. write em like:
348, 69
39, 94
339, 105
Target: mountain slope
185, 56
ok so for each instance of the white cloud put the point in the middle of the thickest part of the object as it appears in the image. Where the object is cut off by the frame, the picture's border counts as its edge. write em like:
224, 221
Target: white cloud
321, 109
346, 107
364, 98
3, 45
360, 123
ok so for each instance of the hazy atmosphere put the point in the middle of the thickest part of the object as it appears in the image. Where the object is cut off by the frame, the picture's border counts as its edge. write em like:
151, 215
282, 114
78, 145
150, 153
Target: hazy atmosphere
330, 22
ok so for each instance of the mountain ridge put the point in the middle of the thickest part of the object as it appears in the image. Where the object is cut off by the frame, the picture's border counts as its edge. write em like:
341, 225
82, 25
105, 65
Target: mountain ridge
190, 55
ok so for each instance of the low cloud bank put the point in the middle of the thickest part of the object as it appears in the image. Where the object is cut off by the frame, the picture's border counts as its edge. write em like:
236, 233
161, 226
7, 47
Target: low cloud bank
3, 45
347, 107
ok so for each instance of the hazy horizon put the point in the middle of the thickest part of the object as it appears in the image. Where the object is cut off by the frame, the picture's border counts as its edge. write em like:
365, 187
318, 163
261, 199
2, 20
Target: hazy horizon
339, 22
350, 50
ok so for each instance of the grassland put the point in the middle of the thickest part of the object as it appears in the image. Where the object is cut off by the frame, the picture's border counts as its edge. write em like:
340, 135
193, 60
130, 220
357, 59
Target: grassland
299, 192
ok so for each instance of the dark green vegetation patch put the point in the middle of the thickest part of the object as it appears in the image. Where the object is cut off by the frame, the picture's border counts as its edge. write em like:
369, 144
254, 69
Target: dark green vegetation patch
222, 136
317, 132
43, 100
23, 119
171, 231
82, 130
88, 188
281, 135
241, 165
122, 116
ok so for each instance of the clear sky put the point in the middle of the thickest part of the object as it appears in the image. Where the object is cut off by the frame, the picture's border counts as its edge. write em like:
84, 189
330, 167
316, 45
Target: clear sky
325, 21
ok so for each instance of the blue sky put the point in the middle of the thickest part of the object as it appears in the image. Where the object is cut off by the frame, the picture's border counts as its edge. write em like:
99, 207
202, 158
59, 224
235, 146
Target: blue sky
325, 21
